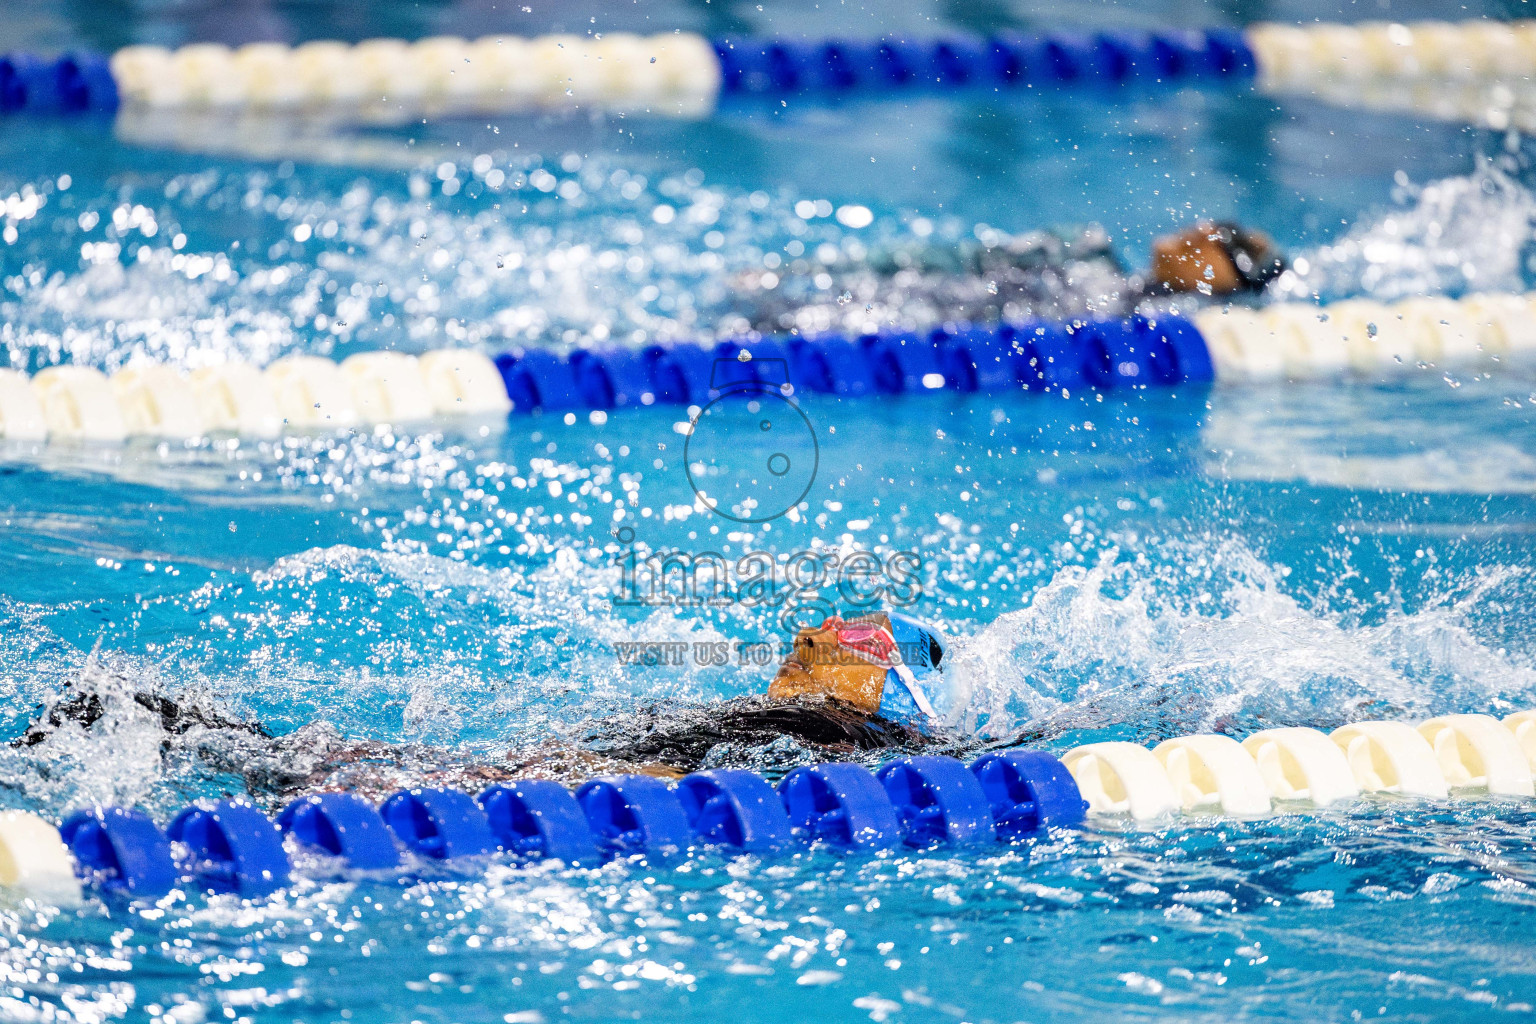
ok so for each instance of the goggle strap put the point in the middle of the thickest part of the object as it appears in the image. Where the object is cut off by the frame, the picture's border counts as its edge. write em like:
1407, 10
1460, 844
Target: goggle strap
909, 680
893, 662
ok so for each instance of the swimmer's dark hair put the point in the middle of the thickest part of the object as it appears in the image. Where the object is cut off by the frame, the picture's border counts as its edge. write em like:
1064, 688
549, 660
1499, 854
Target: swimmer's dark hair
85, 708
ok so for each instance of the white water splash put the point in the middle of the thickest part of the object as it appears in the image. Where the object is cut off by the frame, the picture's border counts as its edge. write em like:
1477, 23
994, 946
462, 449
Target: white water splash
1459, 234
1205, 636
553, 252
1109, 646
121, 761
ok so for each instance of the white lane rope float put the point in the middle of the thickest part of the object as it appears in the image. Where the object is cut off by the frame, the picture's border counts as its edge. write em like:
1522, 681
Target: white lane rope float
1295, 766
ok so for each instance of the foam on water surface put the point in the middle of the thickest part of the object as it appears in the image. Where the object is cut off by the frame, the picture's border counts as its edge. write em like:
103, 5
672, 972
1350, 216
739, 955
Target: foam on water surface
506, 250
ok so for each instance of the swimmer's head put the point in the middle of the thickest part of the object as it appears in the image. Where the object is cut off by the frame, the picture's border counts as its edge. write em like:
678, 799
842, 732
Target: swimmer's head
824, 664
885, 663
1215, 258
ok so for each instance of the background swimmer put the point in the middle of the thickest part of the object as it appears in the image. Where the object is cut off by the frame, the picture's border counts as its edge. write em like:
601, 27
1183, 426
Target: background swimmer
1046, 274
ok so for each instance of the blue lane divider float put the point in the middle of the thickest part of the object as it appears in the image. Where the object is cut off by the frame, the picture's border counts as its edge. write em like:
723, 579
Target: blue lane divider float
841, 805
734, 808
1049, 357
1007, 59
938, 801
539, 820
635, 814
1028, 790
231, 847
341, 825
75, 83
120, 850
439, 824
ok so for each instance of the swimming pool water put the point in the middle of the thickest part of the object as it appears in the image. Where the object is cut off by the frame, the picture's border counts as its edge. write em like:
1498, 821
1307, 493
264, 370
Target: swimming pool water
1132, 565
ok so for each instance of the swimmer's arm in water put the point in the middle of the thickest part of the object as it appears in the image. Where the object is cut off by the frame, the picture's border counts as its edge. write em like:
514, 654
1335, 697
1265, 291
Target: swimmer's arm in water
85, 708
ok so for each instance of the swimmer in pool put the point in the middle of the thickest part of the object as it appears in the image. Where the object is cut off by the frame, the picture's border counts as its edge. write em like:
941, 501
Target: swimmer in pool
863, 686
1047, 275
1219, 259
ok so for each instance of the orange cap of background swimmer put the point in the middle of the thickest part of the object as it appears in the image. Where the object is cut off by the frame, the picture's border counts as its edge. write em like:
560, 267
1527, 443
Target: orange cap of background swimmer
1215, 258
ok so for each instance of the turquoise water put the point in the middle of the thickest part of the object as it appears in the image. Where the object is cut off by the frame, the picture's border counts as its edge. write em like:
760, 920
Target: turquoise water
1127, 566
1164, 572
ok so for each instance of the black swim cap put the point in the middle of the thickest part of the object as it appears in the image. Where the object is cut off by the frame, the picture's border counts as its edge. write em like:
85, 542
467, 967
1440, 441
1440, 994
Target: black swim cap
1252, 254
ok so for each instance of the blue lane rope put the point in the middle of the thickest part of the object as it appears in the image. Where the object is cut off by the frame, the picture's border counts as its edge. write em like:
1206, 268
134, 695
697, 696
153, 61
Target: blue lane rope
75, 83
921, 802
311, 393
1009, 59
1040, 356
83, 81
